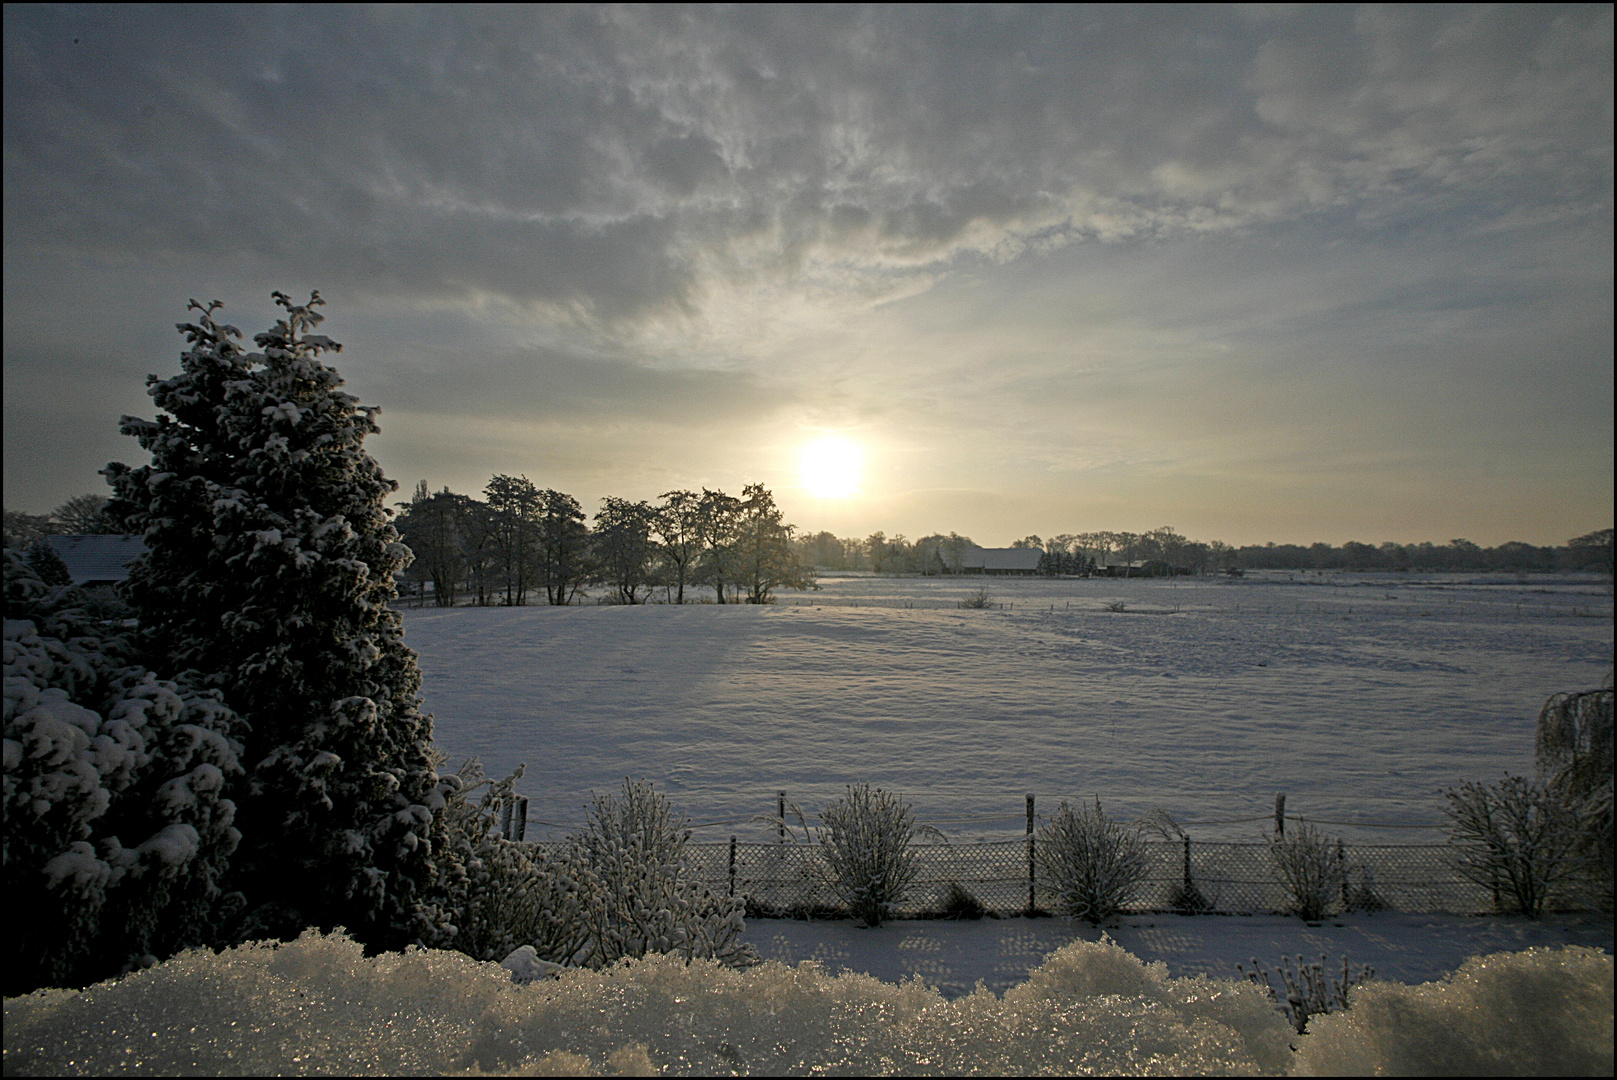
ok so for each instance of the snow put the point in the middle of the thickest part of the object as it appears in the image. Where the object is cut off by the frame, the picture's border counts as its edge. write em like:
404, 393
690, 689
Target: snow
954, 955
1361, 696
319, 1006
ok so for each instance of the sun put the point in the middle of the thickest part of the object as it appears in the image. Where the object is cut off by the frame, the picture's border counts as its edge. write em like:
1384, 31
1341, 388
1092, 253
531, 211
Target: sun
830, 467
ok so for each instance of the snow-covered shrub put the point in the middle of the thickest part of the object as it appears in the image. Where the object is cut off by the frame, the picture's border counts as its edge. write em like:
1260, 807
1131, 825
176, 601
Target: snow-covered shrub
633, 898
865, 839
978, 599
960, 902
1574, 750
1089, 866
1516, 838
494, 895
1310, 990
1311, 869
269, 570
117, 828
48, 565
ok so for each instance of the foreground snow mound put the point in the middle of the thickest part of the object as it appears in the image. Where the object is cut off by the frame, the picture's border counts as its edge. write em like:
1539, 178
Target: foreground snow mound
318, 1005
1542, 1012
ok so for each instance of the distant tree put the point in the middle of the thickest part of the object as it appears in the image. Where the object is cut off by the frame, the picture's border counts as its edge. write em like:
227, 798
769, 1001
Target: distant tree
718, 525
624, 549
679, 528
269, 571
1030, 541
1591, 551
876, 551
434, 528
49, 565
479, 534
517, 506
25, 530
83, 515
766, 559
564, 546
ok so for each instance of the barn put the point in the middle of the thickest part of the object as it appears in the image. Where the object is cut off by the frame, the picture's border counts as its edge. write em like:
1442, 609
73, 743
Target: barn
1012, 560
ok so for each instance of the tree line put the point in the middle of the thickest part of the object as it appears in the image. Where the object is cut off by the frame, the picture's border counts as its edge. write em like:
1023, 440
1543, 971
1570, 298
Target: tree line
521, 541
518, 539
1090, 552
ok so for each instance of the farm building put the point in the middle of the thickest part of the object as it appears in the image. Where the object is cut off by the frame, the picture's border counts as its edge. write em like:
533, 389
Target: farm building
97, 560
1011, 560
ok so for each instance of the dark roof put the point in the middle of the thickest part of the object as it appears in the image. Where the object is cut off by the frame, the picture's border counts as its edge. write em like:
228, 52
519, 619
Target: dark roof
1002, 558
93, 559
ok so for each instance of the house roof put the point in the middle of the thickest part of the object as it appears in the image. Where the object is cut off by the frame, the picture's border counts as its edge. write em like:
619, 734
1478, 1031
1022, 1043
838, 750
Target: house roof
92, 559
1002, 558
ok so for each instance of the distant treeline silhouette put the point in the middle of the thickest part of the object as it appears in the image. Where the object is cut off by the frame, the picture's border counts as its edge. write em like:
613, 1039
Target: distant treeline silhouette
1164, 550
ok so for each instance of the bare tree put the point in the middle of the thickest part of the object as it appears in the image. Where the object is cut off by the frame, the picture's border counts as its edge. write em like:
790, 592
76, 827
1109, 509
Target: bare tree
623, 546
1515, 838
765, 557
718, 523
83, 515
679, 527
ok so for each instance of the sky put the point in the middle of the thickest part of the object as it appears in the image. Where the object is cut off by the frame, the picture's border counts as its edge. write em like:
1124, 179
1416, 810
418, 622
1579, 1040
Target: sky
1262, 274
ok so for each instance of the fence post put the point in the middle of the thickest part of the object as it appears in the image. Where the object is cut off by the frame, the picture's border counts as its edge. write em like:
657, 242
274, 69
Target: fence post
732, 865
1341, 866
780, 814
522, 819
1032, 906
1280, 816
505, 819
1187, 864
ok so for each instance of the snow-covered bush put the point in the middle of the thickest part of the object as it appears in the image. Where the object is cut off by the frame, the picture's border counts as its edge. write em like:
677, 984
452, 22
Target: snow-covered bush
1089, 866
865, 838
1574, 749
495, 895
117, 828
269, 570
1516, 838
626, 870
1310, 990
1311, 869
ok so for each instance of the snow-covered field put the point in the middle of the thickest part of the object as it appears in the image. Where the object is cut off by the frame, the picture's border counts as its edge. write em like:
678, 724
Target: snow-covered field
1361, 696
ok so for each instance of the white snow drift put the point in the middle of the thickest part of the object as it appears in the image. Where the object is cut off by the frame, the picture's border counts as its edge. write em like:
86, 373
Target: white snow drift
318, 1005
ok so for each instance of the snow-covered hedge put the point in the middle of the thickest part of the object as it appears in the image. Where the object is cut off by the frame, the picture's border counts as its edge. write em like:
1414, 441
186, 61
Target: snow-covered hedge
117, 831
319, 1005
617, 889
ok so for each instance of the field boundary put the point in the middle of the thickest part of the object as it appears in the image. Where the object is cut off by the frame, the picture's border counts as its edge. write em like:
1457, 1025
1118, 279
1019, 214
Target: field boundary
790, 879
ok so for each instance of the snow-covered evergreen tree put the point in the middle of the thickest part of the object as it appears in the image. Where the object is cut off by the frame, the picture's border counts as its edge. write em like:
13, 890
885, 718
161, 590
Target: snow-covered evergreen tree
117, 825
270, 566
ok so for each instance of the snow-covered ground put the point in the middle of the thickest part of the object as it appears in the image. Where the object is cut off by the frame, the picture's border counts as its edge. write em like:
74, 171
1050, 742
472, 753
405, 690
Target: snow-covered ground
953, 956
1362, 696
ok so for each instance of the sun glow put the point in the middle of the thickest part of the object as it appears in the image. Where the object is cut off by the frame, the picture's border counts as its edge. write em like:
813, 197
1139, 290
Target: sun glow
830, 467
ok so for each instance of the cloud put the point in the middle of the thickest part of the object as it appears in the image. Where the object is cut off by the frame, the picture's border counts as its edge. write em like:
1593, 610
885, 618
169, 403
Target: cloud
602, 162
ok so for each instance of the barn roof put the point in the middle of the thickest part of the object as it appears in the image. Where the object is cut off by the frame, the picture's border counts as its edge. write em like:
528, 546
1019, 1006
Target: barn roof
94, 559
1002, 558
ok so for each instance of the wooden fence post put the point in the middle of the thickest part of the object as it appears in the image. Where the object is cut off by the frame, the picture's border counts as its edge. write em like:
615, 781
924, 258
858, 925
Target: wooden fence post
1032, 904
732, 865
1280, 816
1187, 864
522, 819
505, 819
780, 813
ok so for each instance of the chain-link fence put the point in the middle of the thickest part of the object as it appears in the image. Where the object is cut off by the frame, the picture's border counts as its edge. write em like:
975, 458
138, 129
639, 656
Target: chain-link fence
791, 879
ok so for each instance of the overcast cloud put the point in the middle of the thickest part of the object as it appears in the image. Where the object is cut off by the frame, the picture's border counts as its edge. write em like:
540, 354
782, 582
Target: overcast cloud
1290, 274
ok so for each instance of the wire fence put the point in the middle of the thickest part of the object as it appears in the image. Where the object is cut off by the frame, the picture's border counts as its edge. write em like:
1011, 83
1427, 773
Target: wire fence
792, 879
